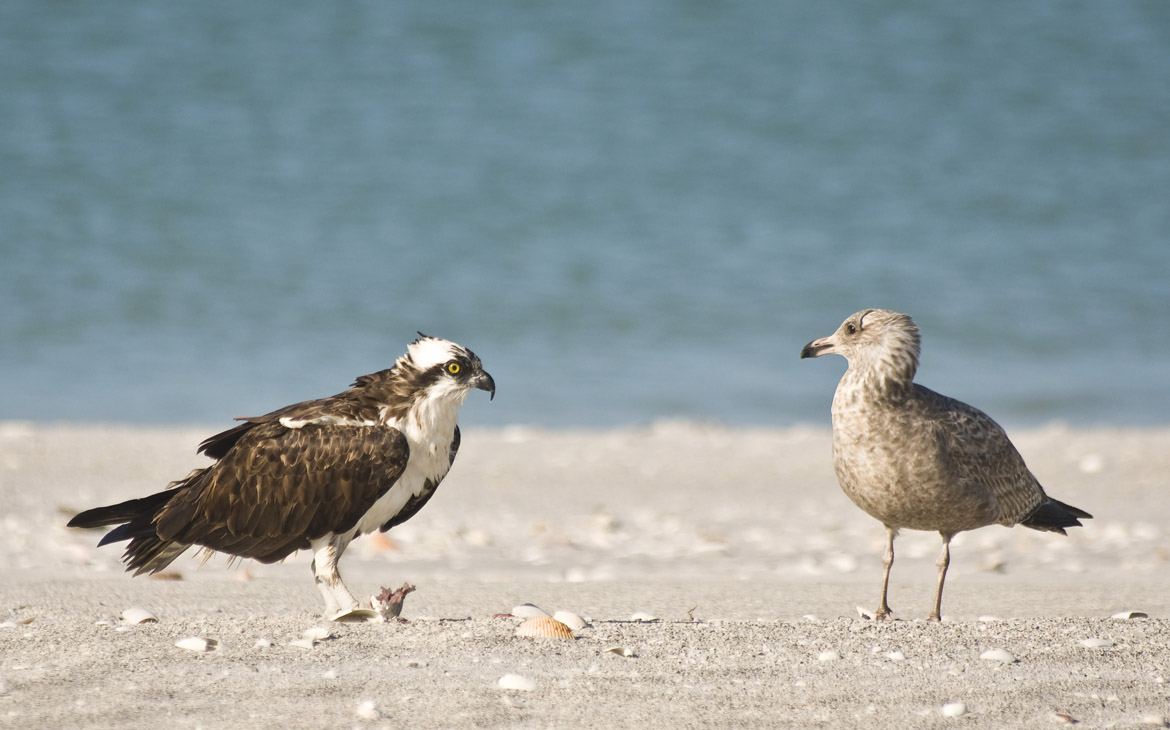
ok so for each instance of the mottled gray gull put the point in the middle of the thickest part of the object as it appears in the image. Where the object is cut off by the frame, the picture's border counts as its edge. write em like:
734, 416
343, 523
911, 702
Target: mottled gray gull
918, 460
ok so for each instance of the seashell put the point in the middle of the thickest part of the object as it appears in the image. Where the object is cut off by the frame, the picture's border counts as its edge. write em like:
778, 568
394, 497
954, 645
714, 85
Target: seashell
197, 643
7, 624
516, 682
895, 656
544, 627
619, 651
572, 620
136, 615
999, 655
865, 613
1064, 717
303, 643
643, 616
1096, 643
262, 643
317, 633
828, 656
528, 610
367, 710
954, 709
1126, 615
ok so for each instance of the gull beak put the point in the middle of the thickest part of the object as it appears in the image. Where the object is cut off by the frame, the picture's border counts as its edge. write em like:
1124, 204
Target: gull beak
816, 348
483, 381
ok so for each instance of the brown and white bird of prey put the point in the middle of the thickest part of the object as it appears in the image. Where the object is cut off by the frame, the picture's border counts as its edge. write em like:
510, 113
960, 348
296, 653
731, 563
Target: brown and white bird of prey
915, 459
313, 475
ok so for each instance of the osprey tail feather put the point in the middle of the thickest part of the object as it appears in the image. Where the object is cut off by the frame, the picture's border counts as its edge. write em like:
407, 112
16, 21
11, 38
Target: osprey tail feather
147, 552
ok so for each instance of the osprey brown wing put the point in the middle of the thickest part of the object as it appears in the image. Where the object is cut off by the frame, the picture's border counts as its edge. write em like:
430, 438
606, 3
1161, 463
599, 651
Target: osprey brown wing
277, 488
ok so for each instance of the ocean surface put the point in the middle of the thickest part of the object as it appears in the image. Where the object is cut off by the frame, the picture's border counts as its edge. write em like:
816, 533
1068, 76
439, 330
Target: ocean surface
632, 211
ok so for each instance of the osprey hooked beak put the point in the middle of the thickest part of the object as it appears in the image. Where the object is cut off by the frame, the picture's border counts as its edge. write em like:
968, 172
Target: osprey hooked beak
484, 381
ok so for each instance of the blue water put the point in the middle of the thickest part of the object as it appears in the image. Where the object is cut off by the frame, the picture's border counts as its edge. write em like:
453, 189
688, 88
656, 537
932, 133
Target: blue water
630, 211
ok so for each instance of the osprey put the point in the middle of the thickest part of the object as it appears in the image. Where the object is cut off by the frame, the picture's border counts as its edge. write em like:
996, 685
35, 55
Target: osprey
312, 475
915, 459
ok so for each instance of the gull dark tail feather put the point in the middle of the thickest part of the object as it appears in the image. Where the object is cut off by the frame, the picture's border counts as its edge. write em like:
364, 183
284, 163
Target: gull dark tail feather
1054, 516
147, 552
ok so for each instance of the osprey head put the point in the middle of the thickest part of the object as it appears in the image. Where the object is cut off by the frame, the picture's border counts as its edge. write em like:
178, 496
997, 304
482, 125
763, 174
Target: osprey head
875, 340
443, 367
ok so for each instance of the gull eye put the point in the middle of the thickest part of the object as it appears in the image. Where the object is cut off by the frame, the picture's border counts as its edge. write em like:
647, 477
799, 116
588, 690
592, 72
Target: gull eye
454, 368
851, 329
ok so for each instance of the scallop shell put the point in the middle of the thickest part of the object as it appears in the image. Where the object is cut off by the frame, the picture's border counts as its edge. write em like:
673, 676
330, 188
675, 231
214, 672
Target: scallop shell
528, 610
954, 709
137, 615
570, 619
197, 643
317, 633
516, 682
544, 627
999, 655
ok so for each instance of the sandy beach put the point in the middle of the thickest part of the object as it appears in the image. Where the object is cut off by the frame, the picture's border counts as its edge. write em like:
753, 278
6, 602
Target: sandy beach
735, 546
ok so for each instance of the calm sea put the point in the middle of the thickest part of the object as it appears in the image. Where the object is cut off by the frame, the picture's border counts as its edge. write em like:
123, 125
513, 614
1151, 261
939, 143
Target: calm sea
631, 211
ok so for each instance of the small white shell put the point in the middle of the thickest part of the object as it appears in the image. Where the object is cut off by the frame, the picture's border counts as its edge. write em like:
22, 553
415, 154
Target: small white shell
137, 615
262, 643
528, 610
570, 619
197, 643
1096, 643
895, 656
303, 643
544, 627
620, 651
517, 682
828, 656
1126, 615
317, 633
367, 710
999, 655
954, 709
643, 616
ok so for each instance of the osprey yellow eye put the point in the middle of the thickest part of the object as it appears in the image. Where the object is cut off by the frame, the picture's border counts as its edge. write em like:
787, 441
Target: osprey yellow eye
453, 368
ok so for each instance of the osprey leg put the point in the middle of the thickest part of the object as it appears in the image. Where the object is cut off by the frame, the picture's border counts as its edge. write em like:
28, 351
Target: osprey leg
340, 605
